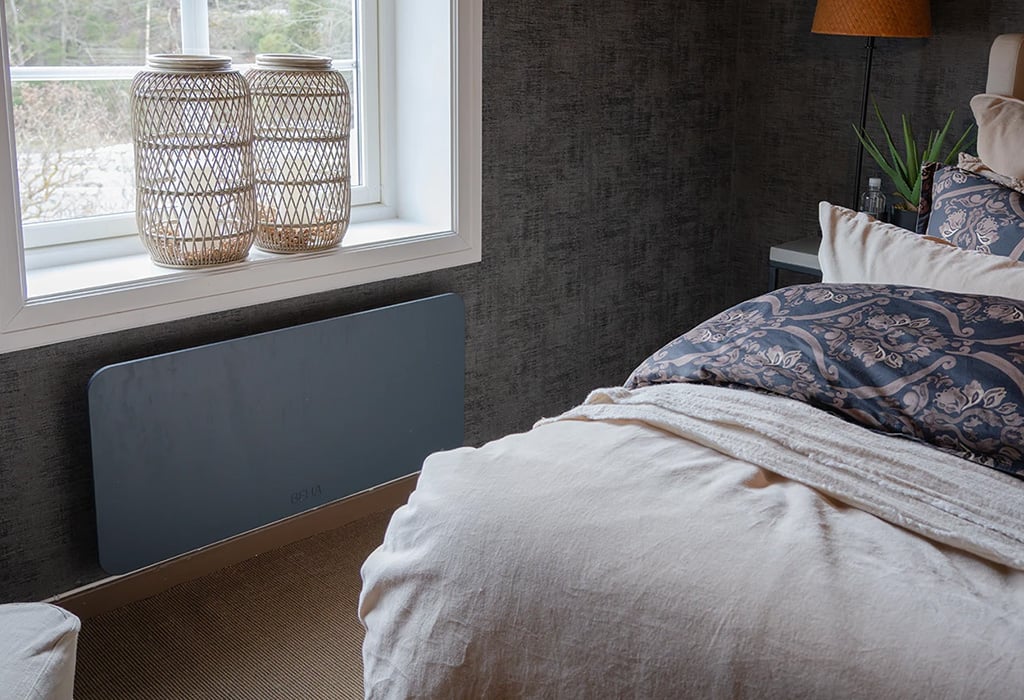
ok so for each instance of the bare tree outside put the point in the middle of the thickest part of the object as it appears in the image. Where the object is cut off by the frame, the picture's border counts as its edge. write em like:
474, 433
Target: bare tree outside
94, 33
74, 153
73, 136
243, 28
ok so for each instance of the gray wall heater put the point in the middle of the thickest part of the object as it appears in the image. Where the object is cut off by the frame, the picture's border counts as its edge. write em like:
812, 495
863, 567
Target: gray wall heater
195, 446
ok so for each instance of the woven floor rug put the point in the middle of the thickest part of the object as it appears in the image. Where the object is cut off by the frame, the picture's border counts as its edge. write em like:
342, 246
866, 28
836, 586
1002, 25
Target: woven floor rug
280, 625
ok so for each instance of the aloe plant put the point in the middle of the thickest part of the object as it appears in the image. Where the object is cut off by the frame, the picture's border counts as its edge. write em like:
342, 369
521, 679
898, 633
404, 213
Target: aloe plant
905, 169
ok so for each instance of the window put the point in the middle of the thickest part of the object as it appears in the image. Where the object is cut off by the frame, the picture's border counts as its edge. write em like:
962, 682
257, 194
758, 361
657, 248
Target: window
72, 264
70, 74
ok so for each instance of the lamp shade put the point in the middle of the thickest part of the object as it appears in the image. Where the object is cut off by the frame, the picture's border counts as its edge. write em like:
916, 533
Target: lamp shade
883, 18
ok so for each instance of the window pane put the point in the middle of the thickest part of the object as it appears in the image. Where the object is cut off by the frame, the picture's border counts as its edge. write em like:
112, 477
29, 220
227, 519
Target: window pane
74, 149
94, 33
243, 28
73, 136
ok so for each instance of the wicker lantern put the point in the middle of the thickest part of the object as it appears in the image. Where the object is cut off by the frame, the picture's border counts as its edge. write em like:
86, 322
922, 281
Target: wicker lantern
192, 130
302, 111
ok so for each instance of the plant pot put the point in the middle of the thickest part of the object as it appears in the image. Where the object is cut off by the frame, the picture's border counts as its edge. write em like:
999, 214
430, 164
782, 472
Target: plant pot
904, 219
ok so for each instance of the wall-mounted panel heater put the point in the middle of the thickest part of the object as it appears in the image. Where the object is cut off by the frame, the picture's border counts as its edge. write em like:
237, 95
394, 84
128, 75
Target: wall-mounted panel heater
195, 446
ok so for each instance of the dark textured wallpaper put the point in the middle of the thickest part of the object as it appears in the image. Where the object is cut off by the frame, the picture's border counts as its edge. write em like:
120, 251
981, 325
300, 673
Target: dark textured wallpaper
606, 141
639, 160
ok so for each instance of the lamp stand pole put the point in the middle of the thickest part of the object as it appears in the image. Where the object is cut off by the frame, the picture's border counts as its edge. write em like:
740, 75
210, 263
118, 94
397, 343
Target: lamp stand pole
869, 51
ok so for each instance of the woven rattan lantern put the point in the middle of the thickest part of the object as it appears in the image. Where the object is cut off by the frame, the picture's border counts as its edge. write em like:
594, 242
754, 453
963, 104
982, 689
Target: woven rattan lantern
302, 111
192, 130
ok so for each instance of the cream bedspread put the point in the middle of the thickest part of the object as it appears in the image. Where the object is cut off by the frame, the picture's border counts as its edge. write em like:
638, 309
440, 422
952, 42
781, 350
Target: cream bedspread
686, 541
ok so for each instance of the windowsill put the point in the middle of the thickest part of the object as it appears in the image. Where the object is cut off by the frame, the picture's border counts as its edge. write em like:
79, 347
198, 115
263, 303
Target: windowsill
46, 283
89, 298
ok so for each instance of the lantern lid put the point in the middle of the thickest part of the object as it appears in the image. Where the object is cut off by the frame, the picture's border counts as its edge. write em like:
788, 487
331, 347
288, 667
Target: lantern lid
188, 63
292, 61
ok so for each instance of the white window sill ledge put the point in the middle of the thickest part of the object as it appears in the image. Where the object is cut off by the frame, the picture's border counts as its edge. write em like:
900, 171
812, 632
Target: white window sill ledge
53, 281
88, 298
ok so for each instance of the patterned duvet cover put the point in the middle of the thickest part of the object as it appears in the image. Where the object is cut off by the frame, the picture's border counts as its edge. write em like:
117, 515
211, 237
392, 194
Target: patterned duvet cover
940, 367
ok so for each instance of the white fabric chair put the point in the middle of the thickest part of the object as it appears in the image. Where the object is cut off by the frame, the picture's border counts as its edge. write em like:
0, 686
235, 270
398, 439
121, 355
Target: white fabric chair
38, 642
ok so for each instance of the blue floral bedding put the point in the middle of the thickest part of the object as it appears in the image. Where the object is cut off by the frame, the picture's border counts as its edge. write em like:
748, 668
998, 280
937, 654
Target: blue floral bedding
940, 367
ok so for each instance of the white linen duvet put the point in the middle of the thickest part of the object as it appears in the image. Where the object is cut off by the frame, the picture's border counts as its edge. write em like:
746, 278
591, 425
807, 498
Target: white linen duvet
690, 541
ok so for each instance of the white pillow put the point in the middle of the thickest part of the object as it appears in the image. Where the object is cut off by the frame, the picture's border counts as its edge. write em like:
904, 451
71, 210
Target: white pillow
857, 248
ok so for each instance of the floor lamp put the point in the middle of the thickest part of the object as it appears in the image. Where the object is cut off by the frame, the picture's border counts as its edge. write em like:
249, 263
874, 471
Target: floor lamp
910, 19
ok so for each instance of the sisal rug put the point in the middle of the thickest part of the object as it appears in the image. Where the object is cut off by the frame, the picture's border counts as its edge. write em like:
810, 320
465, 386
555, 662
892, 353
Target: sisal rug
279, 625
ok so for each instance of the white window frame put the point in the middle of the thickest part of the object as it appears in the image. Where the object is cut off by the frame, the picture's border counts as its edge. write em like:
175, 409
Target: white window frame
428, 218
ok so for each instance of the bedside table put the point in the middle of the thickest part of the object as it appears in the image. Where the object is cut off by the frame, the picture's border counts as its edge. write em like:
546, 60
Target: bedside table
798, 256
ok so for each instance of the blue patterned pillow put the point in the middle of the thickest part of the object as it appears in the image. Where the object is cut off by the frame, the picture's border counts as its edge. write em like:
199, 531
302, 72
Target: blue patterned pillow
971, 211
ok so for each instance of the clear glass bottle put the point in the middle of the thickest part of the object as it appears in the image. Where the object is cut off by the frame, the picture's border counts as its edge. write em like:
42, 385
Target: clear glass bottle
873, 200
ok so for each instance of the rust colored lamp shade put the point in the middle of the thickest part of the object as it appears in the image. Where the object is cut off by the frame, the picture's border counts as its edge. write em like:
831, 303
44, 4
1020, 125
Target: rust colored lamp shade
881, 18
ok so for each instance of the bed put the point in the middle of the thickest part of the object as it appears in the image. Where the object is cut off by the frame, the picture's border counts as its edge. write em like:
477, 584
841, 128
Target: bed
817, 493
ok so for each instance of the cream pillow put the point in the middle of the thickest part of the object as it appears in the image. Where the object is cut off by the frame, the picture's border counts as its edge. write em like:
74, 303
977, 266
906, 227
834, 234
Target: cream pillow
857, 248
1000, 133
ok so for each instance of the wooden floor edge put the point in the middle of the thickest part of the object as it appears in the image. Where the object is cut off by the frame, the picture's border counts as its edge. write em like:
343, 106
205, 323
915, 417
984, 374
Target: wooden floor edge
110, 593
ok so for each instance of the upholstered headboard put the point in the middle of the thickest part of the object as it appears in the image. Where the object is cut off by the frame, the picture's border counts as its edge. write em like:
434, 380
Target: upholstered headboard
1006, 66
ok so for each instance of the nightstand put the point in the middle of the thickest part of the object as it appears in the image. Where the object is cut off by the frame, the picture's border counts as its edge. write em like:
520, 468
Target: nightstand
799, 256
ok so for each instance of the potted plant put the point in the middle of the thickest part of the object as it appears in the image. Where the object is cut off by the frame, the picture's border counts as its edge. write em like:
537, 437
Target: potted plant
904, 169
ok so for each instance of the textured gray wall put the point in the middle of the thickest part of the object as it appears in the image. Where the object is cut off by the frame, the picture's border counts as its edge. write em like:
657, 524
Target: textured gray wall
607, 138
